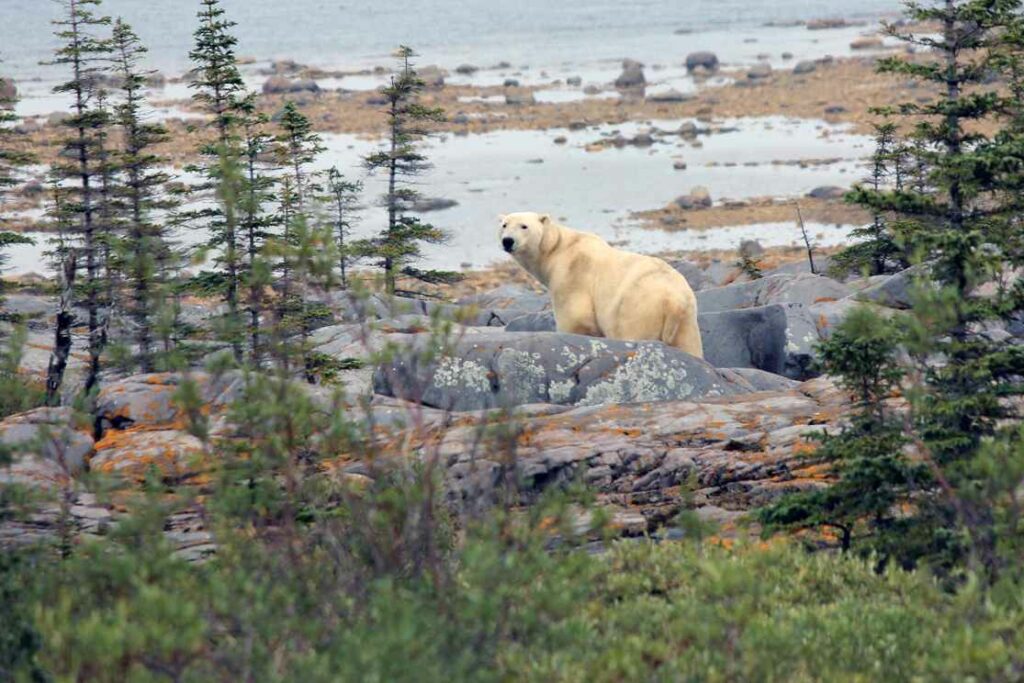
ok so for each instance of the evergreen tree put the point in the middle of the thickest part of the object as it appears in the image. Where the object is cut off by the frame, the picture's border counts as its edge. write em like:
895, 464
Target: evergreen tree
257, 223
956, 209
84, 53
219, 91
408, 124
12, 160
873, 476
145, 248
342, 196
877, 249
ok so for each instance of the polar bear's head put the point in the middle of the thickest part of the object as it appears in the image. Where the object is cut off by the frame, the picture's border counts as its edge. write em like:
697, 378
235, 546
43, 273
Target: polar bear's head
521, 234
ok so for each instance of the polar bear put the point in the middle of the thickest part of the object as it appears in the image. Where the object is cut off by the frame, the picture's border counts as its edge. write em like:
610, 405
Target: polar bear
602, 291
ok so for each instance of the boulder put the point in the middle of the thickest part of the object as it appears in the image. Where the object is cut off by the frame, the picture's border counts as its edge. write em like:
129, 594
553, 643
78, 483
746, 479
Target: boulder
501, 305
574, 81
760, 380
533, 322
893, 292
748, 338
281, 85
704, 59
827, 192
632, 76
517, 98
751, 249
800, 288
688, 130
805, 67
511, 83
466, 69
510, 369
671, 96
46, 445
152, 400
759, 72
693, 273
175, 455
698, 198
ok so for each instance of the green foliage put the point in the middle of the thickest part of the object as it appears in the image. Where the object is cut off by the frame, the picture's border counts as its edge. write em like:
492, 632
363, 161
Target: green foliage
342, 196
750, 265
878, 249
512, 610
147, 256
83, 168
874, 480
17, 393
408, 123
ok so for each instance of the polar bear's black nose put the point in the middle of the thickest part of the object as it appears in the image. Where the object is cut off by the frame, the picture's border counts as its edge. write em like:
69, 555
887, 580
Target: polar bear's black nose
508, 243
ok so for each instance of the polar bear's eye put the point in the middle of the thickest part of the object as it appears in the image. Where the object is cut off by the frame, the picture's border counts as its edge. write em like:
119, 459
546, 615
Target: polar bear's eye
523, 227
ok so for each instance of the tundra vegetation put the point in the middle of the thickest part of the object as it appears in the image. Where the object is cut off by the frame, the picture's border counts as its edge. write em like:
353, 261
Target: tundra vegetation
338, 554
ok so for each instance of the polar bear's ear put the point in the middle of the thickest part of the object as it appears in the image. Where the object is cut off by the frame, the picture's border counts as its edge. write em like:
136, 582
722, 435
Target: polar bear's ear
545, 218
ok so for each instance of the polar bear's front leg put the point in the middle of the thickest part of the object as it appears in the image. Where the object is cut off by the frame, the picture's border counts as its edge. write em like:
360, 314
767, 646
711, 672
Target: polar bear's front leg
575, 315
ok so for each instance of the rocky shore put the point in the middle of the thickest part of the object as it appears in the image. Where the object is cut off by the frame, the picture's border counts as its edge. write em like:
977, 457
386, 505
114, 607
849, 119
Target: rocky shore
501, 403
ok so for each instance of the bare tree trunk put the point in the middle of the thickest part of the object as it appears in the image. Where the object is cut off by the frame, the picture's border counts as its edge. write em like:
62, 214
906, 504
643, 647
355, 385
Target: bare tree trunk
62, 337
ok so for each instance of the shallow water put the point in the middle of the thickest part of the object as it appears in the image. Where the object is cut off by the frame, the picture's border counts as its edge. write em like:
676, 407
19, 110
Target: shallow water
506, 171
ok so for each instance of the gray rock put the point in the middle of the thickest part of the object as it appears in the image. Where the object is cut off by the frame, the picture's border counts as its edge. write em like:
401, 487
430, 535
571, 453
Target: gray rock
688, 130
698, 198
279, 85
574, 81
822, 262
510, 369
751, 249
632, 76
466, 69
533, 322
895, 291
748, 338
499, 306
759, 72
827, 192
518, 98
693, 273
705, 59
805, 67
671, 96
152, 400
801, 288
46, 447
760, 380
511, 83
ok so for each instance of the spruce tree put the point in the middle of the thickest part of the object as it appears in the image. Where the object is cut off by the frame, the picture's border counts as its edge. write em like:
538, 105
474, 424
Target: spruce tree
873, 476
144, 246
257, 224
12, 160
955, 210
85, 54
219, 90
877, 249
342, 195
408, 124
